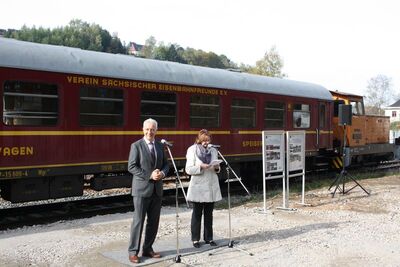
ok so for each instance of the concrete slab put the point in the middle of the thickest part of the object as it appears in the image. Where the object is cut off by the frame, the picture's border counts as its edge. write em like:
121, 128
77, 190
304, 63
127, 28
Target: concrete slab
167, 249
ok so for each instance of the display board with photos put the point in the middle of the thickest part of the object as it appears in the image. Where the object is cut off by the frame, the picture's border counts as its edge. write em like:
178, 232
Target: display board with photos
273, 151
296, 150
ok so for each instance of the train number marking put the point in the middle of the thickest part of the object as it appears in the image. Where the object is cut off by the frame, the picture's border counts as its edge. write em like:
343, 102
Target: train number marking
13, 174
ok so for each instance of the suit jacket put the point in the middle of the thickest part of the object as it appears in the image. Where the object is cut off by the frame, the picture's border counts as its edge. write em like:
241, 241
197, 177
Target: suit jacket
139, 164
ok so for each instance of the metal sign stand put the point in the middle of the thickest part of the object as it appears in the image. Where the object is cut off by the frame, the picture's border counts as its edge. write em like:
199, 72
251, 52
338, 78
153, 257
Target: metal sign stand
295, 164
273, 147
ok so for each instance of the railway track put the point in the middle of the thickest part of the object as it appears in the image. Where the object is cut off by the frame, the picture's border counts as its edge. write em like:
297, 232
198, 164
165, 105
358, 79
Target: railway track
45, 213
19, 216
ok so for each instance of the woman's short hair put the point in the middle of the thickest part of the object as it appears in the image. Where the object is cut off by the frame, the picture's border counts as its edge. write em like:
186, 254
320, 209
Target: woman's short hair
203, 135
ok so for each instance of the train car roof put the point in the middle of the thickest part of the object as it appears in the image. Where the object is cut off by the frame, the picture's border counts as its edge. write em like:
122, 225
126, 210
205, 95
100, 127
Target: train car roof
345, 94
27, 55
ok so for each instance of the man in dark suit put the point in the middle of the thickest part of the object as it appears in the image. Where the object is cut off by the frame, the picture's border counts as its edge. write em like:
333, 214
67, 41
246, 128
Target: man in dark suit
148, 165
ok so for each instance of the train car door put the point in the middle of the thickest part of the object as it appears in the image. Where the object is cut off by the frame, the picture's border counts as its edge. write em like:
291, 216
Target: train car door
323, 127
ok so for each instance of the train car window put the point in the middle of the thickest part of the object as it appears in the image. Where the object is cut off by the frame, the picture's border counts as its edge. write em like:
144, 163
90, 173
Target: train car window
30, 104
243, 113
159, 106
357, 108
322, 113
274, 115
301, 116
204, 111
101, 107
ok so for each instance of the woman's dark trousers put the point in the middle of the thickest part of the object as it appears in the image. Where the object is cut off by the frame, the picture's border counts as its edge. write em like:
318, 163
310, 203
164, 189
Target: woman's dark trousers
199, 209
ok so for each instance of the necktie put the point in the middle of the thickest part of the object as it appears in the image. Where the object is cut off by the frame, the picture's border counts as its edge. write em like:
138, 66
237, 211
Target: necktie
152, 152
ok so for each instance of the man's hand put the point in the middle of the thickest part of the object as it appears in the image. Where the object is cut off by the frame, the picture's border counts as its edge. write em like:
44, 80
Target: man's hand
157, 175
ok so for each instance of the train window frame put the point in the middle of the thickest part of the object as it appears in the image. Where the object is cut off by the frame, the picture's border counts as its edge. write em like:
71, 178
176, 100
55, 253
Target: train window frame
239, 122
206, 112
301, 116
274, 111
91, 117
40, 107
357, 108
158, 108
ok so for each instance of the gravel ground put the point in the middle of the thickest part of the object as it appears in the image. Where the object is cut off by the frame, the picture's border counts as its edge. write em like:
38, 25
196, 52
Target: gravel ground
348, 230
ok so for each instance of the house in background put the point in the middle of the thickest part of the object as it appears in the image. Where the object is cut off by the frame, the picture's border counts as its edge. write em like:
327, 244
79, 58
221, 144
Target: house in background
135, 49
393, 111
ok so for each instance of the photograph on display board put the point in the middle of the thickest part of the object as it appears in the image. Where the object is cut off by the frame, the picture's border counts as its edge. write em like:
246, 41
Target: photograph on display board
301, 119
273, 152
296, 150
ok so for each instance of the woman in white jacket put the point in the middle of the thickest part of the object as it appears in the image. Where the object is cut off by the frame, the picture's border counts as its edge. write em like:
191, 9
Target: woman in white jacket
203, 165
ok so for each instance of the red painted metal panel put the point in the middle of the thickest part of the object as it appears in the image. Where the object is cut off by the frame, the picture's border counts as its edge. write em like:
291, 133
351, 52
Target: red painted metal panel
67, 143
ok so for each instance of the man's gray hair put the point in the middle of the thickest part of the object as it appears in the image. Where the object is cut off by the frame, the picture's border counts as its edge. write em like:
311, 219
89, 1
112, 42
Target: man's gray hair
152, 121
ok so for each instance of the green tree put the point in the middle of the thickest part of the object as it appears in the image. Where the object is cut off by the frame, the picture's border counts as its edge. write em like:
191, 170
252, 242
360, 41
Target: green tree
395, 126
83, 35
30, 34
149, 47
270, 65
172, 52
77, 34
229, 64
207, 59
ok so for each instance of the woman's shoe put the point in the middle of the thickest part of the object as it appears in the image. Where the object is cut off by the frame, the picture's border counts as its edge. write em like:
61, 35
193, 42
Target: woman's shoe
196, 244
211, 243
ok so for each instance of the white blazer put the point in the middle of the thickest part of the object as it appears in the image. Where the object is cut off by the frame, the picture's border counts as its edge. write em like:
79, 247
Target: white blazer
204, 185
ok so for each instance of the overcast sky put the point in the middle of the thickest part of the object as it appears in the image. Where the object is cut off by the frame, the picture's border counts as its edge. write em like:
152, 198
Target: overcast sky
339, 44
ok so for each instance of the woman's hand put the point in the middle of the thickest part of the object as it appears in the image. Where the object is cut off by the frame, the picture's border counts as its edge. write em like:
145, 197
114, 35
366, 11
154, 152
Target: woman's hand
217, 168
204, 166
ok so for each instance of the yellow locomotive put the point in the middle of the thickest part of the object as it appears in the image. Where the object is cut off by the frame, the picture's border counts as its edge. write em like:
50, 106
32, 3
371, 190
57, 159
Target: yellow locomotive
367, 137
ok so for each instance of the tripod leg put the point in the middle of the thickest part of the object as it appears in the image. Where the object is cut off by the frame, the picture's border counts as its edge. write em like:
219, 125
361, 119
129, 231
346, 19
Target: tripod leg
357, 184
339, 180
334, 182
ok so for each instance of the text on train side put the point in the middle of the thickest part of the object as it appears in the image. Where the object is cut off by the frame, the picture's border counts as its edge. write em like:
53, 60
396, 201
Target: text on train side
16, 151
251, 143
143, 85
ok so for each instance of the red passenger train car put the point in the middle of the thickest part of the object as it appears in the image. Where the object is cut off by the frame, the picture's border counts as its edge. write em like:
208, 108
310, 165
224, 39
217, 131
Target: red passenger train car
69, 113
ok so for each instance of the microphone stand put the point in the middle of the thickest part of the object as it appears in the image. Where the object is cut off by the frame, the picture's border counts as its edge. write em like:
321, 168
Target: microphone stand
228, 180
234, 173
341, 178
177, 182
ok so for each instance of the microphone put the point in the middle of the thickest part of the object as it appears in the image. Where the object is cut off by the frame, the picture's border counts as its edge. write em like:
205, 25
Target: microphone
215, 146
165, 142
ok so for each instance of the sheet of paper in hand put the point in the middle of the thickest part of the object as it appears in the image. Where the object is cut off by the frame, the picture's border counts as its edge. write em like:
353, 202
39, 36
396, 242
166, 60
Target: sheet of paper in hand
215, 162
